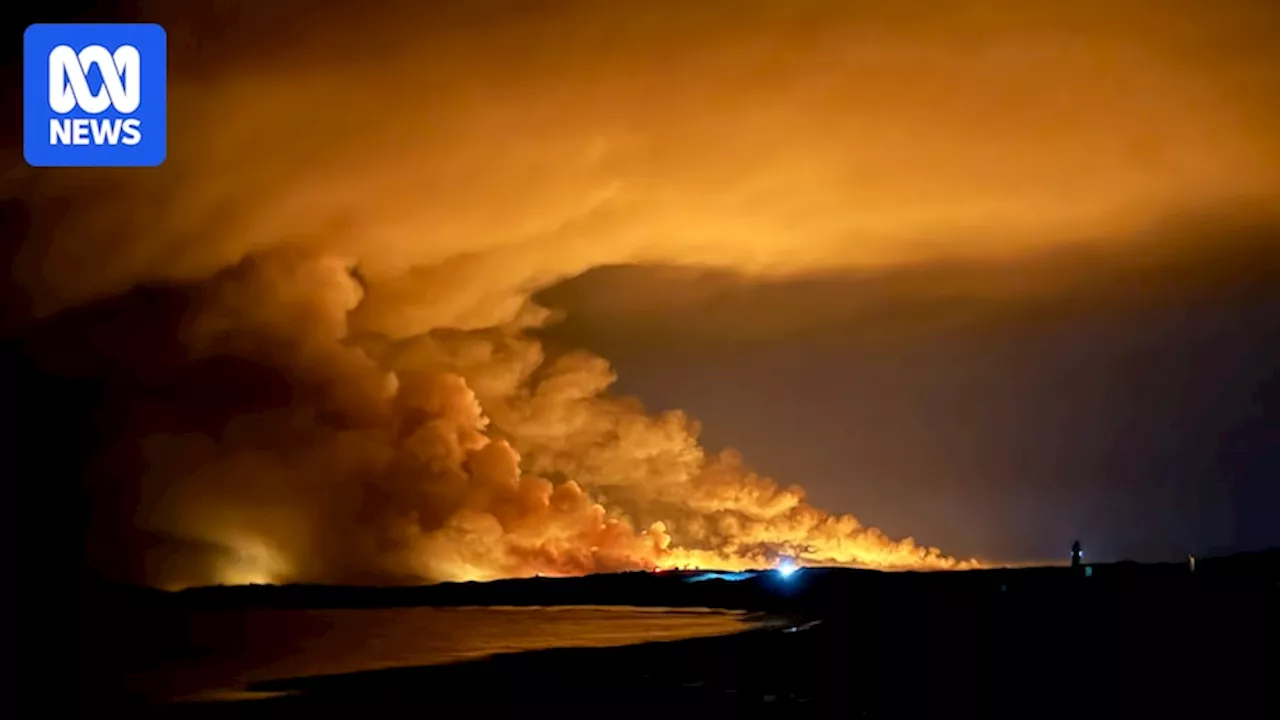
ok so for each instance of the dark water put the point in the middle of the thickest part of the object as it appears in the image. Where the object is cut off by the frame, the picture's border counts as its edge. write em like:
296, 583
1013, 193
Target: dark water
234, 649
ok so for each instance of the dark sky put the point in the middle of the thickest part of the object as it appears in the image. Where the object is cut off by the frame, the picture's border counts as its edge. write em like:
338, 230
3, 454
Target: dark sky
993, 275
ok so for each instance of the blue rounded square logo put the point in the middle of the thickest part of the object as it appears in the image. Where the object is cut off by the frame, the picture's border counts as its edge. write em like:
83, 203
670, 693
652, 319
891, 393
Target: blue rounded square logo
93, 95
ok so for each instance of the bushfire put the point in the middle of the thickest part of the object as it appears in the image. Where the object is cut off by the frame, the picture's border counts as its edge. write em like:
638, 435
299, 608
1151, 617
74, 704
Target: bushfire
445, 455
454, 456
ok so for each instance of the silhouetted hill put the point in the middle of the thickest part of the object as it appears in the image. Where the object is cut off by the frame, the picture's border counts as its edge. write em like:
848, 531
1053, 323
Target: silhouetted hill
810, 590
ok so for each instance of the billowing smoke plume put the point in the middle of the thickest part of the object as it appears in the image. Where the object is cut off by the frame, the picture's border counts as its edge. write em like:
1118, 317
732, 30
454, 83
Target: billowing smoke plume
355, 221
450, 455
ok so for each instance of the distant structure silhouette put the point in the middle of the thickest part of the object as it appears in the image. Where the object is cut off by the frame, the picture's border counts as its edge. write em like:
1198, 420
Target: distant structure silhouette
1076, 554
1191, 561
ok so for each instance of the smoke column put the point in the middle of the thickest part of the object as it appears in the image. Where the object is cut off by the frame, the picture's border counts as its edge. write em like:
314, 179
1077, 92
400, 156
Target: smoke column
446, 455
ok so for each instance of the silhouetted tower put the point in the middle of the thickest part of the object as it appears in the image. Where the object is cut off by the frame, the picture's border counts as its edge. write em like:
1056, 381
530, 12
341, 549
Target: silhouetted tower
1076, 554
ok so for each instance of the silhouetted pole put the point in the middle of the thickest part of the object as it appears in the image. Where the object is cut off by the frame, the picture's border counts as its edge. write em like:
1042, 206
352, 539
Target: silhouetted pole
1076, 554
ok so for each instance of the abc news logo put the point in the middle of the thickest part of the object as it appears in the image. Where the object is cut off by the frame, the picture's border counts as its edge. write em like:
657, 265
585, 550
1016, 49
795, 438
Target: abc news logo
94, 95
69, 89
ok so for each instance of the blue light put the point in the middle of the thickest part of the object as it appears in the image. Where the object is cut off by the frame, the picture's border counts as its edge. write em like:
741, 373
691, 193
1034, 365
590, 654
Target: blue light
731, 577
787, 568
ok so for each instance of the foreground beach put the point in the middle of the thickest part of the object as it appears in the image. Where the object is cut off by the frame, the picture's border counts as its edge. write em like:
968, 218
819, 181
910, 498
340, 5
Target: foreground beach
1128, 640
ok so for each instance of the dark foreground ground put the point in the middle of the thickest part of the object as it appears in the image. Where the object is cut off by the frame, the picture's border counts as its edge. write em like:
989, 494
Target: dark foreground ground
1128, 641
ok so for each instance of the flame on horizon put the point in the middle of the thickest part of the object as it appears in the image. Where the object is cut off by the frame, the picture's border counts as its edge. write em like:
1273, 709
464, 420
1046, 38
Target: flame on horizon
458, 455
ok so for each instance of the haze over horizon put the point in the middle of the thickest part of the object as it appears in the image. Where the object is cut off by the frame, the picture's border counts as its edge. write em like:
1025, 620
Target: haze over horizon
986, 276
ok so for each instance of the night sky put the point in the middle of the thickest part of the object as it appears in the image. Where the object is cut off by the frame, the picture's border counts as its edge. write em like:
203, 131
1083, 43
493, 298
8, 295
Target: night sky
992, 276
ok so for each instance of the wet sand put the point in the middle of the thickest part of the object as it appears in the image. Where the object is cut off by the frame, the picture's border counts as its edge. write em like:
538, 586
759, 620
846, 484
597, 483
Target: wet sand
232, 651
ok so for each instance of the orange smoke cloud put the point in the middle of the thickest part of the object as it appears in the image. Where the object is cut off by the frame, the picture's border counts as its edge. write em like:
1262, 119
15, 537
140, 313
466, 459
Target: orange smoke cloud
454, 455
